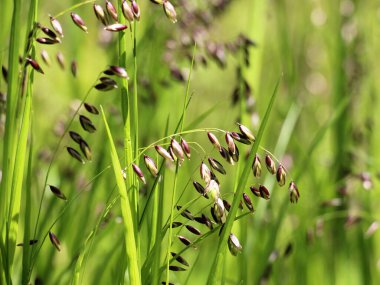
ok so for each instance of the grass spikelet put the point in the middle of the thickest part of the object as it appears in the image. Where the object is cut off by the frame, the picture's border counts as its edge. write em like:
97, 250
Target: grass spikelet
87, 124
216, 165
75, 154
78, 21
55, 241
91, 108
57, 192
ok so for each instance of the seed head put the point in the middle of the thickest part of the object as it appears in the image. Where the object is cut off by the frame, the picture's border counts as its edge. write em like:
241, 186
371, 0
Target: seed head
55, 241
111, 10
91, 108
256, 166
56, 26
246, 132
78, 21
163, 152
116, 27
75, 154
170, 11
214, 140
205, 172
234, 245
136, 10
281, 175
177, 149
271, 166
216, 165
57, 192
149, 162
248, 202
127, 11
139, 173
100, 14
86, 124
186, 148
294, 194
86, 150
212, 190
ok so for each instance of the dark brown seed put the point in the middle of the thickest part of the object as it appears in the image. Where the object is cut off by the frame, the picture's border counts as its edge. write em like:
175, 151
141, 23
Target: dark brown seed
116, 27
281, 175
91, 108
240, 138
230, 144
108, 81
213, 177
199, 188
176, 224
246, 132
34, 64
75, 154
104, 87
49, 33
5, 73
186, 213
78, 21
74, 68
100, 14
186, 148
216, 165
264, 192
176, 268
139, 173
294, 194
111, 11
57, 192
55, 241
118, 71
184, 240
227, 205
86, 124
56, 26
31, 242
224, 153
75, 136
248, 202
193, 230
86, 150
208, 222
47, 41
288, 249
255, 191
271, 166
179, 258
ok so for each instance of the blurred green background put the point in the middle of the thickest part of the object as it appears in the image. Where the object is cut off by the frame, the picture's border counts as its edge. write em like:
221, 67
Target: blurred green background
323, 127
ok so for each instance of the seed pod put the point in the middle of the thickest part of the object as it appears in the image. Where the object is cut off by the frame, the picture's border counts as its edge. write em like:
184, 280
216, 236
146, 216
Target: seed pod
111, 11
78, 21
86, 150
45, 57
56, 26
246, 132
205, 172
75, 136
31, 242
227, 205
104, 87
240, 138
294, 194
256, 166
234, 245
193, 230
118, 71
75, 154
176, 268
34, 64
216, 165
177, 149
271, 166
212, 190
186, 148
91, 108
139, 173
57, 192
55, 241
47, 41
214, 140
136, 10
61, 60
86, 124
74, 68
127, 11
264, 192
199, 188
184, 240
149, 162
115, 27
176, 224
170, 11
248, 202
163, 152
49, 33
100, 14
180, 259
281, 175
225, 154
186, 213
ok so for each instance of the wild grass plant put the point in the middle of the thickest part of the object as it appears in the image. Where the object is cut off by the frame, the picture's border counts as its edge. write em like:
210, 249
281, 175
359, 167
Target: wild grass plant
147, 143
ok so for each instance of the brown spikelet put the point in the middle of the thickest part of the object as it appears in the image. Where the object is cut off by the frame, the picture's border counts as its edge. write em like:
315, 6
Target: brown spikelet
111, 11
184, 240
104, 87
248, 202
186, 148
75, 136
79, 22
170, 11
34, 64
269, 162
75, 154
176, 268
200, 189
118, 71
49, 33
256, 166
240, 138
214, 140
127, 11
86, 124
152, 167
193, 230
163, 152
227, 205
281, 175
86, 150
246, 132
216, 165
225, 154
185, 213
57, 192
136, 10
55, 241
264, 192
47, 41
176, 224
139, 173
177, 149
91, 108
179, 258
294, 194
